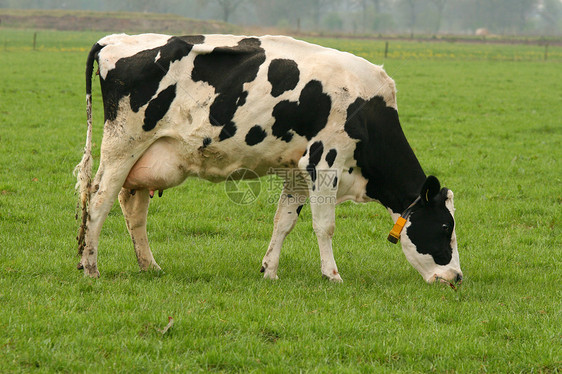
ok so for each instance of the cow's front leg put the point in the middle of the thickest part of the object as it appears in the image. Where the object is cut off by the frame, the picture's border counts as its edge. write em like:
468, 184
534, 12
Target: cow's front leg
135, 211
323, 206
290, 204
323, 222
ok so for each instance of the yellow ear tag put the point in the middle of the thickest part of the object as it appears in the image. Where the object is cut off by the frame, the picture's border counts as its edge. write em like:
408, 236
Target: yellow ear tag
394, 235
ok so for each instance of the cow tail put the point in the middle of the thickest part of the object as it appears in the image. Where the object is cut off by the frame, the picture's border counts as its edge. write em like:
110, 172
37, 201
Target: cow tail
83, 170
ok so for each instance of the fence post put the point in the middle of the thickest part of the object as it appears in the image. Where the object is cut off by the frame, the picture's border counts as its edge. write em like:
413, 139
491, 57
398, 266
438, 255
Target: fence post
35, 41
385, 49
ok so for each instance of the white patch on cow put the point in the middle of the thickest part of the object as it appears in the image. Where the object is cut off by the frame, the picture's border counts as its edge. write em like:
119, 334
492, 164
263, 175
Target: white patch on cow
157, 57
220, 40
454, 265
203, 49
352, 187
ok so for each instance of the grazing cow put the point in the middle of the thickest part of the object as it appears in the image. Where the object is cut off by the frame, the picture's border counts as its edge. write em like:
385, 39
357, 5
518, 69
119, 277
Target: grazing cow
209, 105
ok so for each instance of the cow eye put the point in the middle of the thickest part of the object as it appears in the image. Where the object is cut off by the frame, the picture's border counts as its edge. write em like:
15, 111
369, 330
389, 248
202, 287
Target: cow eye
445, 227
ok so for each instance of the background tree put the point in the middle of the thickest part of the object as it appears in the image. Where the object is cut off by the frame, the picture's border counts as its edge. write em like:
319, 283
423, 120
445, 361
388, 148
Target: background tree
523, 9
283, 13
363, 6
439, 6
378, 5
228, 7
410, 12
551, 16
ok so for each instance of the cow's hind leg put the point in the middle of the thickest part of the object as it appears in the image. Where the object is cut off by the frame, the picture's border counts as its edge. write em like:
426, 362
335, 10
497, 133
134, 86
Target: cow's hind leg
105, 188
290, 203
135, 211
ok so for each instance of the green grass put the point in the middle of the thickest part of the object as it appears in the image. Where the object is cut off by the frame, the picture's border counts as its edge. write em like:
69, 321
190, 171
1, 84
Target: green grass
48, 40
373, 50
489, 128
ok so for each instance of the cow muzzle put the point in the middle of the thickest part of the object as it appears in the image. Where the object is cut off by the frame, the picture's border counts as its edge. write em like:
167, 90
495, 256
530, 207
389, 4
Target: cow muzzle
452, 278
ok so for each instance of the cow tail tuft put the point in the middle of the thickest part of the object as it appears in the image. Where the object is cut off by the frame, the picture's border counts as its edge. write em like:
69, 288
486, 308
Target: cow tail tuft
83, 170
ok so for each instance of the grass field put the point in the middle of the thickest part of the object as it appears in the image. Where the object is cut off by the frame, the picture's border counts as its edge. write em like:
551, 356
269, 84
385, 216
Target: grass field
485, 119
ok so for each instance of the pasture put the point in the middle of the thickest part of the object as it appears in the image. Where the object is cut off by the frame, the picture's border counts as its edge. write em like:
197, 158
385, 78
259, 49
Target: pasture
486, 119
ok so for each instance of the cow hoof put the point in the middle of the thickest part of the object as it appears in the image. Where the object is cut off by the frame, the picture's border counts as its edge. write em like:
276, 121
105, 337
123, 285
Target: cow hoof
268, 273
152, 267
80, 266
91, 271
270, 276
156, 267
335, 278
91, 274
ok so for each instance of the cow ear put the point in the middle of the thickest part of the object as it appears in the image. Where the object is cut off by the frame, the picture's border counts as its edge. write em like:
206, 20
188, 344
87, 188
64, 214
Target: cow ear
430, 189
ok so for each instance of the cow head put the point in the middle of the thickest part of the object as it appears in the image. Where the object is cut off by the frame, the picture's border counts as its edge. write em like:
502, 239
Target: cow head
428, 239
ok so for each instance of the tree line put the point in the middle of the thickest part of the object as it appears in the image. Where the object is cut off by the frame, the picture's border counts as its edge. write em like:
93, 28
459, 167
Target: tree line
505, 17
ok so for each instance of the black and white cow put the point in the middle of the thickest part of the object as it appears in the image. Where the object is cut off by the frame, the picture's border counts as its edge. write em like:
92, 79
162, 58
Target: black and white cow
209, 105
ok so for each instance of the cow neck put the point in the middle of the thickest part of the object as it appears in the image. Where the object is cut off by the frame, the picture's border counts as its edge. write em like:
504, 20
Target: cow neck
404, 188
384, 155
398, 174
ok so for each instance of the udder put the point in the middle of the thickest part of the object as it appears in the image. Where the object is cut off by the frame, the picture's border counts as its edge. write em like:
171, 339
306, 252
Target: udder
159, 168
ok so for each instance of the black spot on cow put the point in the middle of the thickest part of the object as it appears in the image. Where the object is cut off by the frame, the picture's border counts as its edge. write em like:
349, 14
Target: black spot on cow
335, 182
432, 226
256, 135
316, 150
331, 157
287, 137
227, 69
283, 74
299, 209
206, 141
306, 117
139, 76
383, 153
158, 107
350, 170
